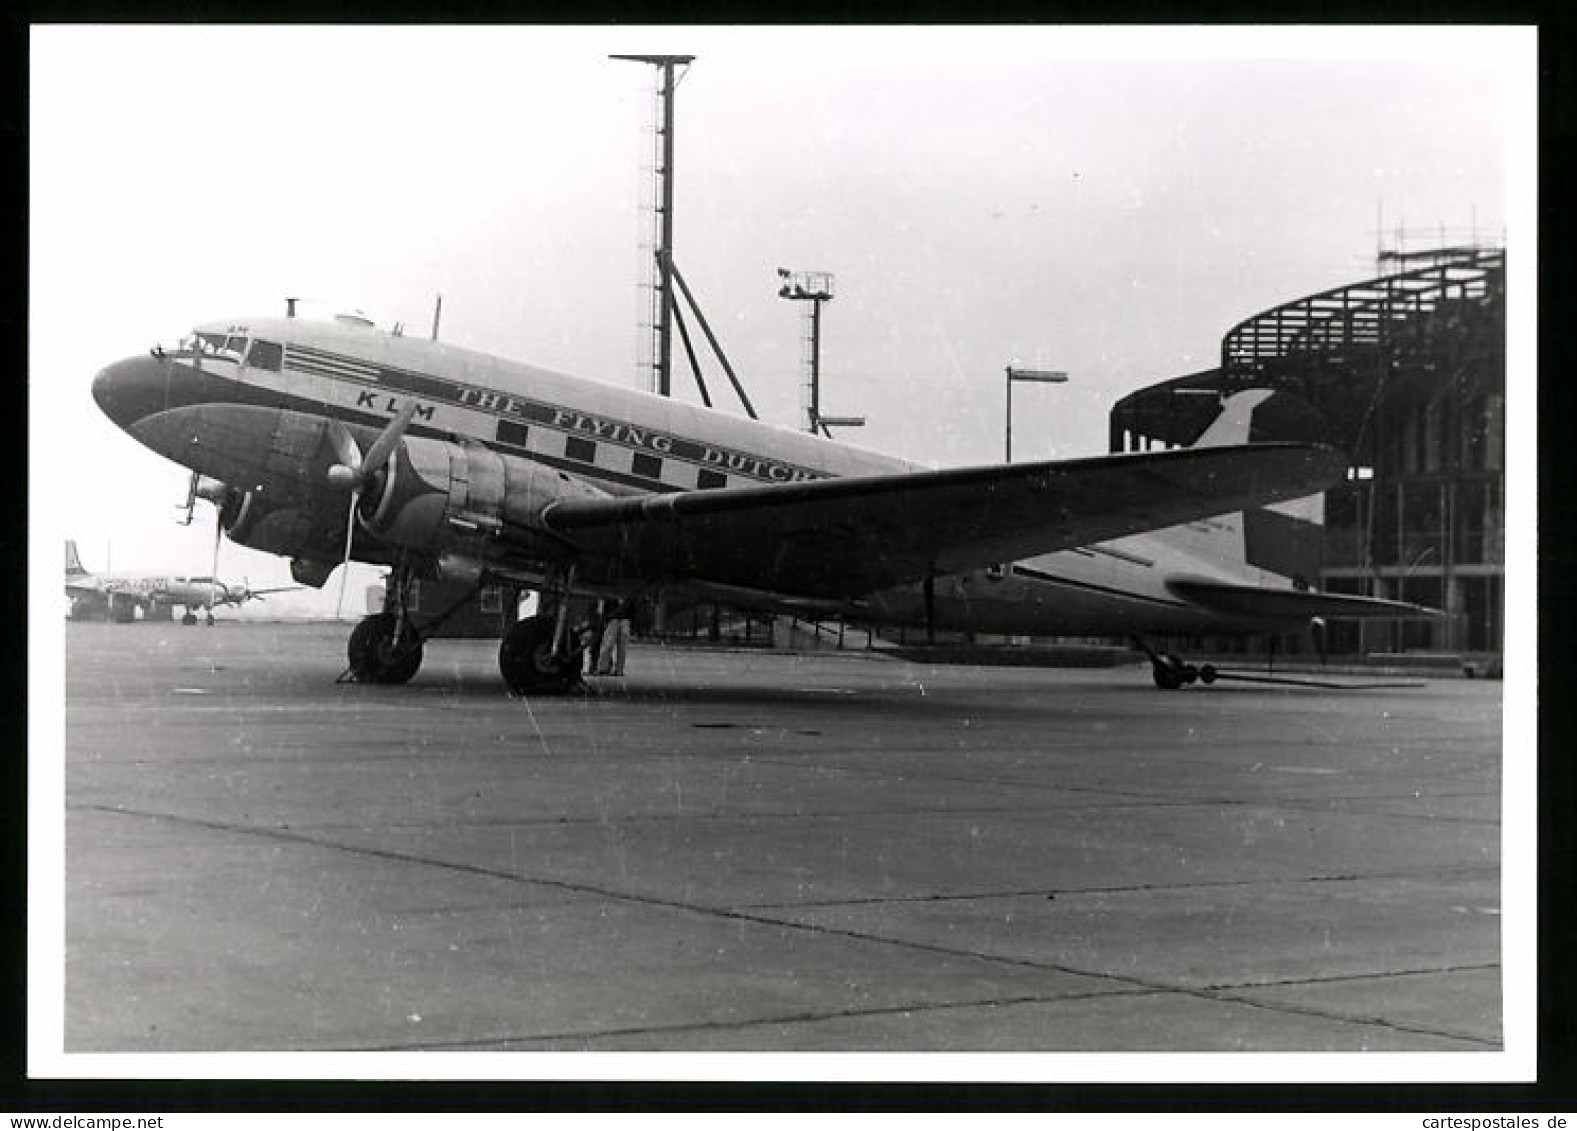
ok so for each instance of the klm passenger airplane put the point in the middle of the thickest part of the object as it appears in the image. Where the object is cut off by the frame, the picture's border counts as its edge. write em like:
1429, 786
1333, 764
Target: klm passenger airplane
330, 441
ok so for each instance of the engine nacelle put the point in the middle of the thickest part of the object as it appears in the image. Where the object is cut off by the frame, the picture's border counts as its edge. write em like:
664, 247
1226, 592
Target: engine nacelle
251, 519
433, 492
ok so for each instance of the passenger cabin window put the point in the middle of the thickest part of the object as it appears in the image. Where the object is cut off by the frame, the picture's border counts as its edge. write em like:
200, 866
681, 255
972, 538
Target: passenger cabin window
266, 355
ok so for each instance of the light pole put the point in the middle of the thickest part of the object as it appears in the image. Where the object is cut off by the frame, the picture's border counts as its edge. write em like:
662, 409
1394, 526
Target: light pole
1014, 373
667, 85
814, 287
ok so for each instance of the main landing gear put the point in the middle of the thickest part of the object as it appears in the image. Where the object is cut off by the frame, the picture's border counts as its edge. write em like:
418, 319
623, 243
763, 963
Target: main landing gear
537, 656
386, 647
1170, 672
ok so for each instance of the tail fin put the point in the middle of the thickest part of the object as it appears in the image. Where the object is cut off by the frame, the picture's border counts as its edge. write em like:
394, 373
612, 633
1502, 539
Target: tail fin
1287, 539
73, 563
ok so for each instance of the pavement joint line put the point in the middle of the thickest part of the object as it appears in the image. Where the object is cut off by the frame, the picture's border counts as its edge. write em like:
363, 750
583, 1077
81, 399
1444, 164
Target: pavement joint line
648, 901
798, 815
1418, 972
758, 1022
1141, 799
1464, 872
1378, 1022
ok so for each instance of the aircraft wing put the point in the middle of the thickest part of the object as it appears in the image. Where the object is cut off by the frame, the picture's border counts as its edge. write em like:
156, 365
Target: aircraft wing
1290, 604
841, 537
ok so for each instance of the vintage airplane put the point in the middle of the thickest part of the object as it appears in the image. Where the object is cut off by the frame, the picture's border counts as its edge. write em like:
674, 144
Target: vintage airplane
325, 441
118, 596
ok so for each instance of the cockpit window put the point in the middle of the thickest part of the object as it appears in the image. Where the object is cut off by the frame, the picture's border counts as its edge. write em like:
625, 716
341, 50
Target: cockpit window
266, 355
232, 347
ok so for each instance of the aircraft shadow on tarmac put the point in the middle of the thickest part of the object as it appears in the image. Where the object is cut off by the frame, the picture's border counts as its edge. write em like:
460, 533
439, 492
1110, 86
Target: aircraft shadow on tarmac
900, 693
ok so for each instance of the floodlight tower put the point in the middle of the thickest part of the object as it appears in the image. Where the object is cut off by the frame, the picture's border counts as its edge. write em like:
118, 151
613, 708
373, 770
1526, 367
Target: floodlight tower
667, 83
814, 287
1017, 373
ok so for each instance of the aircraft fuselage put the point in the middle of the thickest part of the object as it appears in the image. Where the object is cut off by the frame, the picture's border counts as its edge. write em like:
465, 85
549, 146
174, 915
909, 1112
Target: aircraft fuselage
267, 405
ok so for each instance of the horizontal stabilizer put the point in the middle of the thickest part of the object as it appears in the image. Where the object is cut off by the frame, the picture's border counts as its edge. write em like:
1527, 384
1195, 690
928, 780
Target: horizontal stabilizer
1290, 604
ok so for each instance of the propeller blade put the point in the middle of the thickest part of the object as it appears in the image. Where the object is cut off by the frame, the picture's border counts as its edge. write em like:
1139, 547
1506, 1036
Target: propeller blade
191, 500
384, 445
350, 534
213, 576
346, 452
354, 470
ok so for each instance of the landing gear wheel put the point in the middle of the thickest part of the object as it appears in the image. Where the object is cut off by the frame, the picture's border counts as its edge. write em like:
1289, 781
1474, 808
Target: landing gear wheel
526, 660
210, 621
1166, 677
1172, 673
374, 657
189, 618
1207, 673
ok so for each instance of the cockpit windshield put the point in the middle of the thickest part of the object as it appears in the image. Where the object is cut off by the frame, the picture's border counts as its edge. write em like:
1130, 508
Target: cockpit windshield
212, 343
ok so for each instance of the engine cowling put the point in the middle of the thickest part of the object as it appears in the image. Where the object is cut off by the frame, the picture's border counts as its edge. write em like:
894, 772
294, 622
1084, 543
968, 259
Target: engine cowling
253, 520
432, 493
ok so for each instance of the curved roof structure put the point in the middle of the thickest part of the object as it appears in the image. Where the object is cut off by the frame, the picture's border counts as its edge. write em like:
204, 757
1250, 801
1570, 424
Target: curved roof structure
1338, 348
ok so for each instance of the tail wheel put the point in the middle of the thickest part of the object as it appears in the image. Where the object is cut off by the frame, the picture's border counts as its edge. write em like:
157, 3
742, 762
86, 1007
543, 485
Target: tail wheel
374, 655
1171, 673
527, 662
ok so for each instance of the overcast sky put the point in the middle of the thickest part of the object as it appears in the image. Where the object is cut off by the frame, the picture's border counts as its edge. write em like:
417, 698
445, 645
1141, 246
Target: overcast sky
1107, 202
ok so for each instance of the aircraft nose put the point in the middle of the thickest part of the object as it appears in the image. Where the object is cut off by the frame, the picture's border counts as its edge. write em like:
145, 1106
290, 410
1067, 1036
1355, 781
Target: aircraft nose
131, 389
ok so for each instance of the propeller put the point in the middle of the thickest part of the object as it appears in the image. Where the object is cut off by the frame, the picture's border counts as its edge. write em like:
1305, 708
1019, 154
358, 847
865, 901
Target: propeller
213, 575
191, 501
353, 471
199, 486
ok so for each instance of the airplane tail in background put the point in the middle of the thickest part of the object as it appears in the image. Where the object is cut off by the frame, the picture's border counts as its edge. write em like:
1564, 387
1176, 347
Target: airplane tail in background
73, 563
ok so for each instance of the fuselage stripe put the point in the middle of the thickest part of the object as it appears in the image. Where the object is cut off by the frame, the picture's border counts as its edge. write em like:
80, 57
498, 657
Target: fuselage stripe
566, 422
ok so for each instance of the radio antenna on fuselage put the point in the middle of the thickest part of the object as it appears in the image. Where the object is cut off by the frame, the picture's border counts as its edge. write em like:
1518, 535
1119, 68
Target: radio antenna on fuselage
438, 310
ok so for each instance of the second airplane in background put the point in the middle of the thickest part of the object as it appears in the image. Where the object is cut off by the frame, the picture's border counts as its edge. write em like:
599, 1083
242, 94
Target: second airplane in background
120, 596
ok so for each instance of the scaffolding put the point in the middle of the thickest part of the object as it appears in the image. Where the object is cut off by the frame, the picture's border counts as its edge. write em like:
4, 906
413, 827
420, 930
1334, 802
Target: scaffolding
1406, 371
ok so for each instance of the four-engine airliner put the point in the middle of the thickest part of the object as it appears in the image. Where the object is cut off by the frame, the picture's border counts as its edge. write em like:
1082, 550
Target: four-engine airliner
327, 441
120, 595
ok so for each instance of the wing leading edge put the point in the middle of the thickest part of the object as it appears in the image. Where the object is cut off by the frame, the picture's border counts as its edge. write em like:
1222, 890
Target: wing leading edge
847, 536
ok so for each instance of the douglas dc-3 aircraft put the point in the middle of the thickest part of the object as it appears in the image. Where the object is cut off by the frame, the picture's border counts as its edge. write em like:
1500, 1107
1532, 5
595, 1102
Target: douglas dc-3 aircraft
325, 441
120, 595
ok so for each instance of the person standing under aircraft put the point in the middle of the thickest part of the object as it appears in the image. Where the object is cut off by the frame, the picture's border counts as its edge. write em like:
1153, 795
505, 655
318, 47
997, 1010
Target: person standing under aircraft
615, 641
586, 638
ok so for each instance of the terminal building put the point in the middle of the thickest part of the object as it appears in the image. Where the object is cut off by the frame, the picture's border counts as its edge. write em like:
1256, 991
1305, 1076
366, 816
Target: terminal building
1407, 372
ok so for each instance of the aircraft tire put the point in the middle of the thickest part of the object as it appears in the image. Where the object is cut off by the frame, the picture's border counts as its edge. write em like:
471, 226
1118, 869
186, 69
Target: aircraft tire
1166, 676
526, 661
189, 618
373, 657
